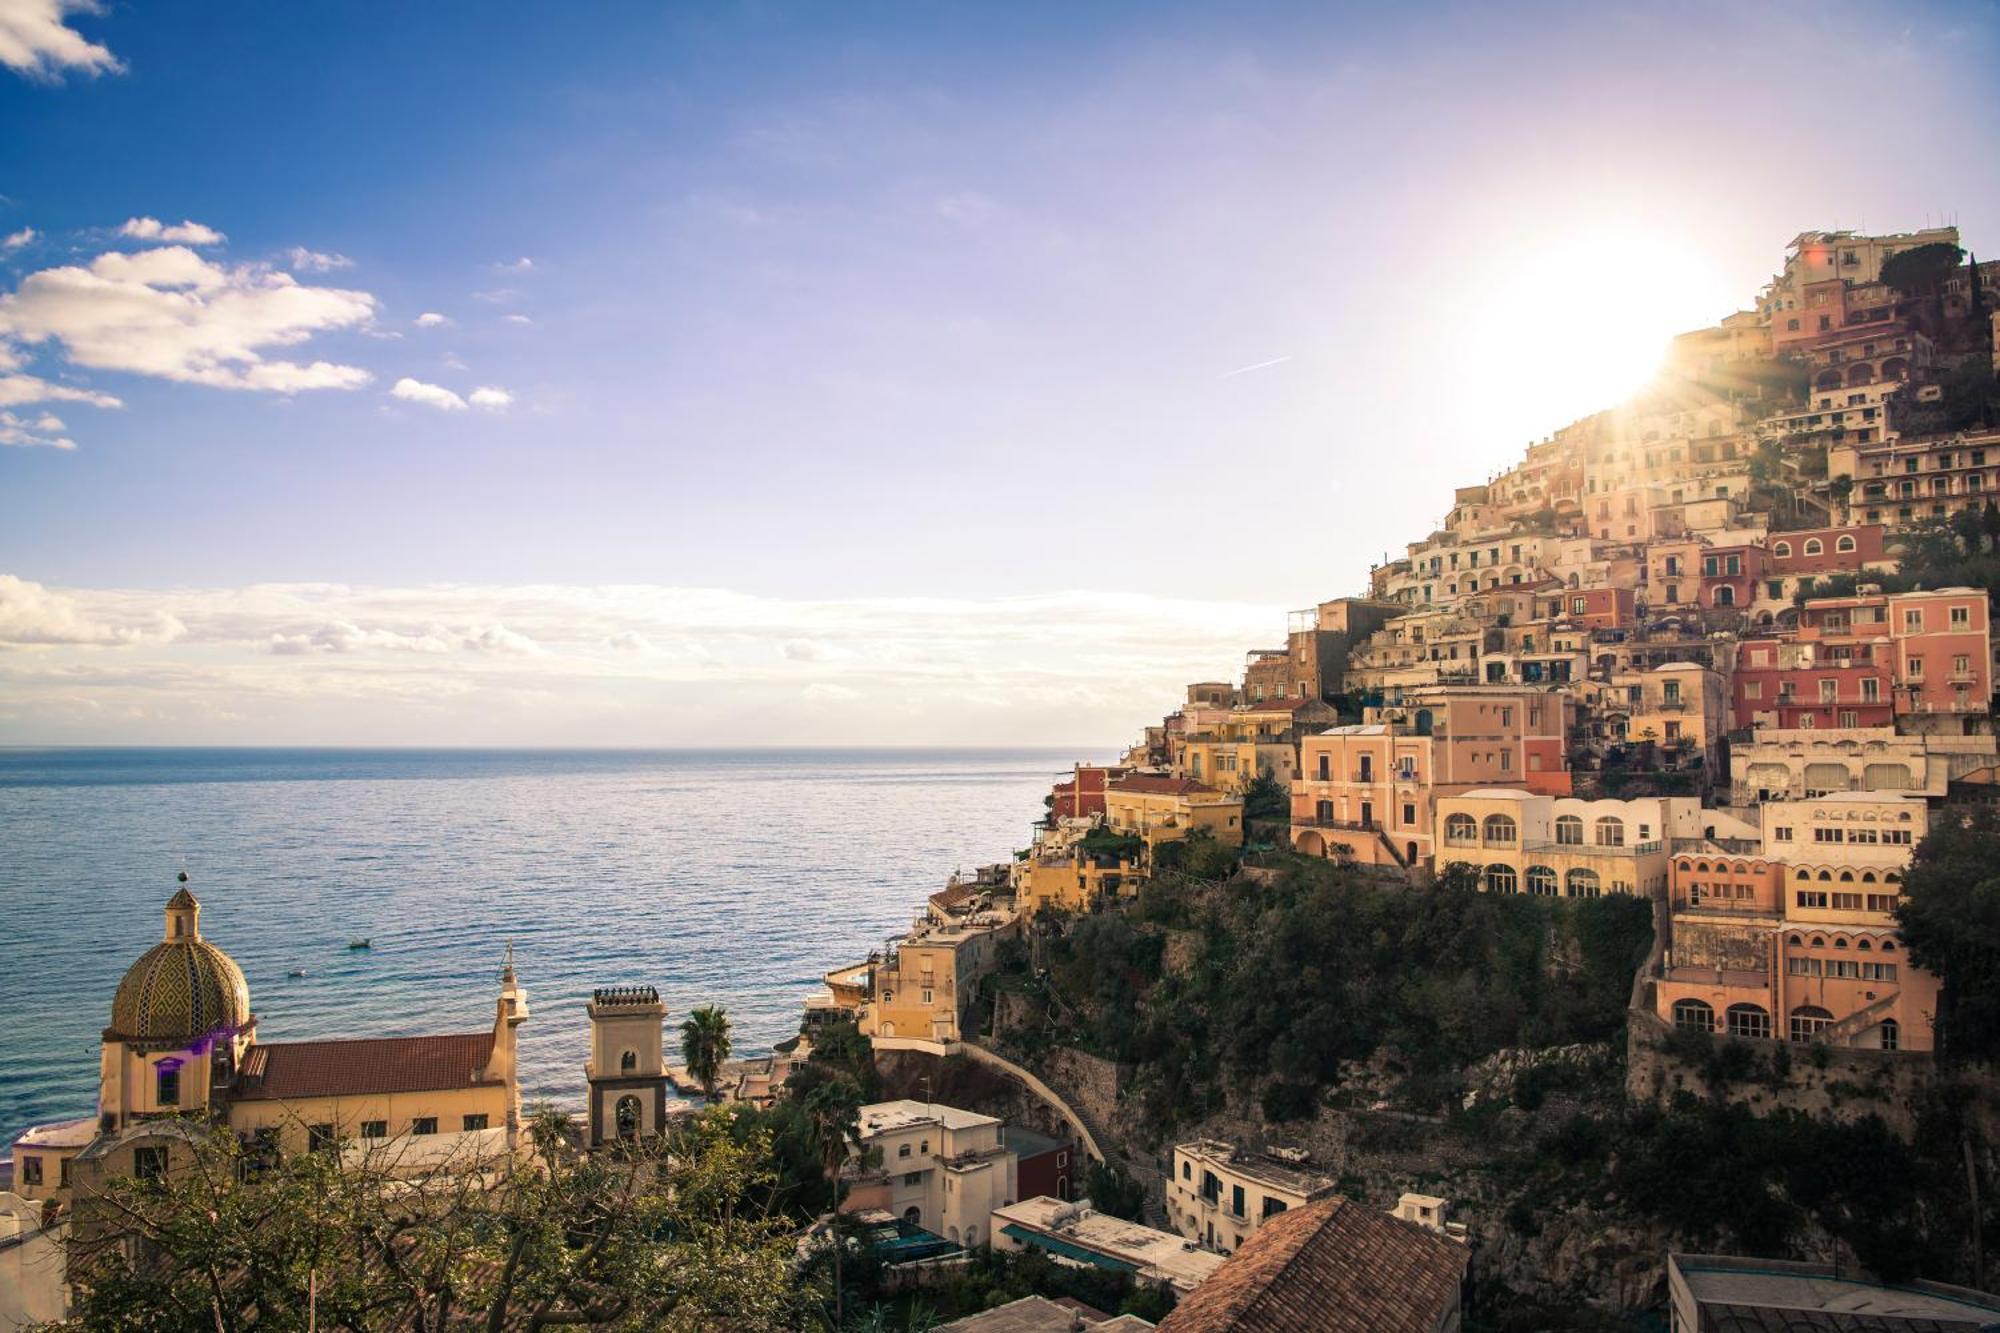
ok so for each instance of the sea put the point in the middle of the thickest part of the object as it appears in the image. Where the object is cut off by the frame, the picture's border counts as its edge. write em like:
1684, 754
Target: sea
730, 877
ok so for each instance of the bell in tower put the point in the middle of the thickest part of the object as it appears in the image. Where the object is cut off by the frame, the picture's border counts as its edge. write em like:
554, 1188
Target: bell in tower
627, 1071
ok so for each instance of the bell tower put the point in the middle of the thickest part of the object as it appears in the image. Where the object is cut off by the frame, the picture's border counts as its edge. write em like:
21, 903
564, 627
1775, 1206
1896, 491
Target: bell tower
627, 1071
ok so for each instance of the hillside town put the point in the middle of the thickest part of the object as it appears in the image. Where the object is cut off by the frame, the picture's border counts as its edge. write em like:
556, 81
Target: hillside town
1710, 649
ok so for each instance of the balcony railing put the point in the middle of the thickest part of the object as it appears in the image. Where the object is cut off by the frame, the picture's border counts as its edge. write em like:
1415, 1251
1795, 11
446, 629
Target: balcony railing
1345, 825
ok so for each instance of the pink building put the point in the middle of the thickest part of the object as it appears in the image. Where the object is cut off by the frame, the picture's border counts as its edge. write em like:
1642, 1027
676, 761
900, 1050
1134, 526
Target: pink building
1821, 551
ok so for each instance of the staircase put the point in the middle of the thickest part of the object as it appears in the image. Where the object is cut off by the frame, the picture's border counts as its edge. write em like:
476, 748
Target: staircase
1837, 1034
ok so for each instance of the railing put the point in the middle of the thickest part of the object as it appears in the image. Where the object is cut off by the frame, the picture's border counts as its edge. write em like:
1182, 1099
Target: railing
1345, 825
1719, 846
1593, 848
1746, 906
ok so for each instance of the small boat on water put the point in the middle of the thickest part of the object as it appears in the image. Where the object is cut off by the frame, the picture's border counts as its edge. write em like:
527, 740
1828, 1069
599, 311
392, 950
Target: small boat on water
296, 972
358, 942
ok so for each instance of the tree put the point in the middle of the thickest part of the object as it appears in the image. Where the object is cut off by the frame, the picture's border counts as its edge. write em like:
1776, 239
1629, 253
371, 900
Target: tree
705, 1045
834, 1110
654, 1237
1950, 915
1112, 1191
1919, 270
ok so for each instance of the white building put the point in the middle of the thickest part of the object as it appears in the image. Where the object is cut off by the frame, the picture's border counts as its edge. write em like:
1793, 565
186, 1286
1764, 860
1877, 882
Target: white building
939, 1168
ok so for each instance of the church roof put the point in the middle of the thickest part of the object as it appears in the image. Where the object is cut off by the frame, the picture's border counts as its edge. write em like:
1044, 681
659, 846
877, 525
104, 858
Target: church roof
182, 900
180, 990
279, 1071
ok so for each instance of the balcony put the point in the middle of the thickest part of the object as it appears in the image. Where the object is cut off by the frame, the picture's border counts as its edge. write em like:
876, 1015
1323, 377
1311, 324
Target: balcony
1594, 849
1733, 906
1343, 825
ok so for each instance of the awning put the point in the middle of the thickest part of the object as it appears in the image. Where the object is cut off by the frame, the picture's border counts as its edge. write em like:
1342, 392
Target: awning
1066, 1249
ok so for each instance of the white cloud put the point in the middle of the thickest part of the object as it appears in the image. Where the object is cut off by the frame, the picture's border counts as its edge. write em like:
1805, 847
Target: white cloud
316, 261
521, 265
172, 314
517, 319
491, 398
25, 236
18, 389
33, 433
431, 319
620, 664
183, 233
430, 395
36, 42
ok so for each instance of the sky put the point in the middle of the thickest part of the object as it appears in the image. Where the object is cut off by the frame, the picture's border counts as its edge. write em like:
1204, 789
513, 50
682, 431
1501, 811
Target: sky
791, 373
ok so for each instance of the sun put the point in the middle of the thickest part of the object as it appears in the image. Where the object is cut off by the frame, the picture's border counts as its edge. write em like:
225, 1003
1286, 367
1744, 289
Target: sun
1578, 322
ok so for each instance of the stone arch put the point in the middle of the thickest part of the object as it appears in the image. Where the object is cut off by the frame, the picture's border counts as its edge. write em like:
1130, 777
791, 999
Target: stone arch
1895, 368
1860, 373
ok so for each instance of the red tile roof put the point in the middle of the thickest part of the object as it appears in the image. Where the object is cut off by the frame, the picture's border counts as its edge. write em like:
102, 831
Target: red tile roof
1333, 1266
282, 1070
1147, 784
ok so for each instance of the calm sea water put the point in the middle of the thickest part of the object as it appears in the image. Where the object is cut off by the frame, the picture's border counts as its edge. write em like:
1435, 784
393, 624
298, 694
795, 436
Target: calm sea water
727, 877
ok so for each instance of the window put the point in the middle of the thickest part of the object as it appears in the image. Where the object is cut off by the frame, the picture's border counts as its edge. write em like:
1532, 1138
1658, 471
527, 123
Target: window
1812, 897
1916, 668
1845, 546
913, 1177
1782, 550
424, 1124
903, 1150
1500, 879
1892, 1035
1695, 1015
149, 1162
1748, 1020
167, 1085
475, 1121
1272, 1207
1237, 1206
1569, 831
628, 1062
31, 1170
1187, 1170
1500, 830
1913, 621
1871, 690
1814, 546
1583, 884
1542, 881
1808, 1021
1610, 832
374, 1129
1961, 617
319, 1138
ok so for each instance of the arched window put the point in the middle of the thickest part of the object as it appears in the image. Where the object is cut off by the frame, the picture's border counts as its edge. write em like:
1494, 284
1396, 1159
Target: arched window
1814, 546
1867, 877
1583, 884
914, 1215
1847, 877
1694, 1014
1845, 546
1725, 595
1461, 830
1569, 831
628, 1117
1610, 832
1865, 945
1798, 942
1892, 1035
1805, 874
1888, 946
628, 1062
1808, 1021
1840, 941
1748, 1020
1542, 881
1500, 879
1782, 550
1499, 831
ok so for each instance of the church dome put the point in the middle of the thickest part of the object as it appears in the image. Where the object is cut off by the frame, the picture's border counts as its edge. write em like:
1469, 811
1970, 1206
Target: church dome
183, 988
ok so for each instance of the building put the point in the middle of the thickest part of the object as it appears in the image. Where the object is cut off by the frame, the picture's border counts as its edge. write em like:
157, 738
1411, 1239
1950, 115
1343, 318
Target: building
1083, 795
1560, 847
1219, 1194
1166, 809
33, 1290
1793, 937
1335, 1267
1793, 764
181, 1054
940, 1168
1367, 792
1899, 481
925, 983
1936, 644
1709, 1293
626, 1076
1039, 1314
1044, 1165
1078, 1234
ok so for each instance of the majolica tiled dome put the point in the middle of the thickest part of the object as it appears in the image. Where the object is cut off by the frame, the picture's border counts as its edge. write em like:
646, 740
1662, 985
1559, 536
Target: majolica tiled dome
183, 988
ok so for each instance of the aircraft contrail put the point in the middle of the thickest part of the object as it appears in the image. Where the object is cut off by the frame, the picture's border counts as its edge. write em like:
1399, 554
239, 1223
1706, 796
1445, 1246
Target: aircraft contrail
1261, 365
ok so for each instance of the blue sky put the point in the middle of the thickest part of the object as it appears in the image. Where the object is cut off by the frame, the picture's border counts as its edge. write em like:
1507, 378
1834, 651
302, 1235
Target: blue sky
946, 332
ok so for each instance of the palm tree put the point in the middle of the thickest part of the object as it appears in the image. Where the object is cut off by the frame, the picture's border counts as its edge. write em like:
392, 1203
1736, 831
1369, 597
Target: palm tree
705, 1045
834, 1111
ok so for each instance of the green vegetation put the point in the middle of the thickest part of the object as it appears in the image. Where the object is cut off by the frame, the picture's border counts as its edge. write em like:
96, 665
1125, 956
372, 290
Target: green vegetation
992, 1278
705, 1045
1950, 916
1267, 798
1198, 855
1971, 400
1287, 982
659, 1236
1919, 270
1101, 844
1111, 1190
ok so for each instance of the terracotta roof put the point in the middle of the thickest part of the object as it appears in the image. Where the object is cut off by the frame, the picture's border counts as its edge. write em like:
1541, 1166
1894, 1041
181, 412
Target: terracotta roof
282, 1070
1147, 784
1334, 1266
947, 898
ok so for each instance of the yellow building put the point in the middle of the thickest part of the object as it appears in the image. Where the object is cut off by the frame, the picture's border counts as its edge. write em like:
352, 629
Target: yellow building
1233, 765
181, 1055
1218, 1195
1073, 882
1561, 847
1162, 809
